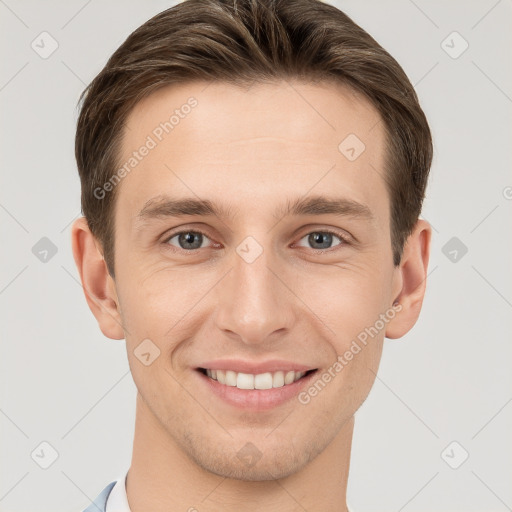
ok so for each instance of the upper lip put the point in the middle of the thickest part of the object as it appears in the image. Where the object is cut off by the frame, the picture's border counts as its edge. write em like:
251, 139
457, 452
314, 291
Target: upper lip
239, 365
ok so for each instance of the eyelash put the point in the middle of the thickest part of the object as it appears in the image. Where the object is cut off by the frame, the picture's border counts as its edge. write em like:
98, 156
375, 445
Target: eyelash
344, 240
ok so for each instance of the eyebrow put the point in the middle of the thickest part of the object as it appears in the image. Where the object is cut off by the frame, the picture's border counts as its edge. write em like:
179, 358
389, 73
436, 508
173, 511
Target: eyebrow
164, 206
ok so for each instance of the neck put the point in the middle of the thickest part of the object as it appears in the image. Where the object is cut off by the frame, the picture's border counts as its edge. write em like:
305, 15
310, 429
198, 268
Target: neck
163, 478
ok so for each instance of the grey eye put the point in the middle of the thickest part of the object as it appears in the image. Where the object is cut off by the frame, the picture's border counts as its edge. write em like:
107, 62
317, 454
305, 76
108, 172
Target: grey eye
188, 240
321, 239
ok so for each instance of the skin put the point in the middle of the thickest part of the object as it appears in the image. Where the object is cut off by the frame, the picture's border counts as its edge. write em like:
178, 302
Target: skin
250, 149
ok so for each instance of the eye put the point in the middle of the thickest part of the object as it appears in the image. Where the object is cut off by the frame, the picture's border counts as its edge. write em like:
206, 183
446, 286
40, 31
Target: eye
322, 240
192, 240
187, 240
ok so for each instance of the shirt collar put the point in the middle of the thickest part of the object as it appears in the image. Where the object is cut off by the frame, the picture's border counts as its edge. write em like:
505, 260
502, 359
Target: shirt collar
118, 499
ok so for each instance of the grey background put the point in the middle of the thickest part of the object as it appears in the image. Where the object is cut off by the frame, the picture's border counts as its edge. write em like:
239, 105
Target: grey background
448, 380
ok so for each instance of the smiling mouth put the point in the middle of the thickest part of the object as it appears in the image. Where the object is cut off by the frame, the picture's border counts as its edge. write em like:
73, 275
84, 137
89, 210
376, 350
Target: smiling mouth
267, 380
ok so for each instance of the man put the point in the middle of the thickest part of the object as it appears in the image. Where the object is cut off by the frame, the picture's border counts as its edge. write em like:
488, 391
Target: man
252, 178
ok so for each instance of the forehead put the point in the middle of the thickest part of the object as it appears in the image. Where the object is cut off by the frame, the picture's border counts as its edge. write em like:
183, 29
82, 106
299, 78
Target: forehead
251, 144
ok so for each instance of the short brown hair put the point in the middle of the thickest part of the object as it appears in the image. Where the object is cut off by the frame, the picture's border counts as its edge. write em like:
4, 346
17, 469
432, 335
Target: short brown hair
239, 42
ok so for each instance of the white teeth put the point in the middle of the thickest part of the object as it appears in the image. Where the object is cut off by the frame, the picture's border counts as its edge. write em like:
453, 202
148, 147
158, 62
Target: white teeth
278, 380
263, 381
249, 381
245, 381
230, 378
289, 377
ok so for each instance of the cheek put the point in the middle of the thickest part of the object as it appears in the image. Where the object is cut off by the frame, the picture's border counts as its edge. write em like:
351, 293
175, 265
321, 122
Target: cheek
349, 304
159, 303
347, 299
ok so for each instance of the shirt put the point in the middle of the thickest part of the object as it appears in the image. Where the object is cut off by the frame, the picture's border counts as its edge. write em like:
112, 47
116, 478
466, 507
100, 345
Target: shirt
111, 499
117, 500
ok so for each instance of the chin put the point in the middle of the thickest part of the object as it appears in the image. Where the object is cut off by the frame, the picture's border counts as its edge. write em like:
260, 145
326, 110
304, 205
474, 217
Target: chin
251, 464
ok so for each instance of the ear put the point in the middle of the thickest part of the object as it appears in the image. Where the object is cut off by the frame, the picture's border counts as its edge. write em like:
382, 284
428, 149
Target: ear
99, 287
410, 280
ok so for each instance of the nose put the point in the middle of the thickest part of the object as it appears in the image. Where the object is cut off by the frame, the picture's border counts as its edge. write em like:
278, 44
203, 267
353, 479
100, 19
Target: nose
254, 300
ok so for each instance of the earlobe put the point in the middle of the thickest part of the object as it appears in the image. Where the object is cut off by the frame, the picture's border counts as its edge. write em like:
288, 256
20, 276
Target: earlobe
412, 274
98, 285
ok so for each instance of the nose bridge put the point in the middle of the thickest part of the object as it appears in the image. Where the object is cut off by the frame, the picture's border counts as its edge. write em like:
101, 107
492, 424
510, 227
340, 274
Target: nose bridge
253, 303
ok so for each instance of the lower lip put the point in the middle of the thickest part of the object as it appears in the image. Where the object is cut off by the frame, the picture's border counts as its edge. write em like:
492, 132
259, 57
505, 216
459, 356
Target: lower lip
256, 399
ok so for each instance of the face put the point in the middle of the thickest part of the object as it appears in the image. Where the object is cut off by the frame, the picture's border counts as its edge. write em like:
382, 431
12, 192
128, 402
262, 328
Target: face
253, 239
